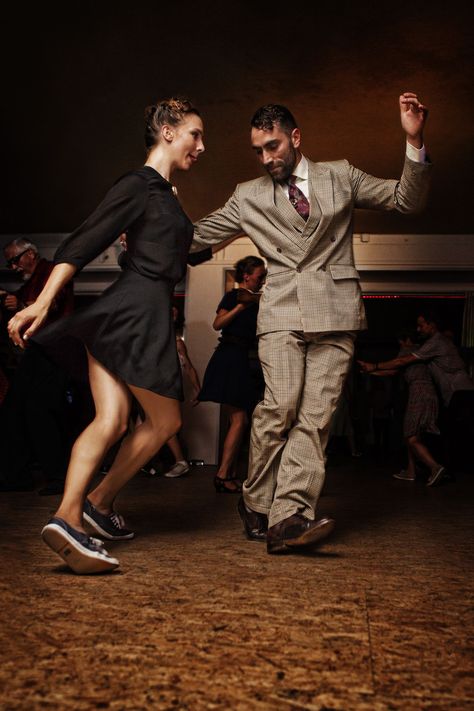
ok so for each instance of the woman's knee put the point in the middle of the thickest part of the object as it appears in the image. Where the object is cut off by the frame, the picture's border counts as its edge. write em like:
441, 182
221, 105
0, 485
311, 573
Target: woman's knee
112, 428
169, 427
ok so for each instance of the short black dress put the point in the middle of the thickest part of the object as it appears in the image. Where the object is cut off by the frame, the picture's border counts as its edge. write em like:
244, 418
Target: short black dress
129, 328
233, 375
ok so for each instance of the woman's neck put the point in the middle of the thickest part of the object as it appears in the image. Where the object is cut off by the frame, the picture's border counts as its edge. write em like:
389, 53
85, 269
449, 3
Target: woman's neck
158, 160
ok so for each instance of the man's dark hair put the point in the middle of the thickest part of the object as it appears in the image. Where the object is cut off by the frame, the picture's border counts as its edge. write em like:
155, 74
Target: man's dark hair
406, 334
430, 316
269, 115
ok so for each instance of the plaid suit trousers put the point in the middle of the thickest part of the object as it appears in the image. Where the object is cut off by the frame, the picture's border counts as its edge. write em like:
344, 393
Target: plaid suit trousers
304, 375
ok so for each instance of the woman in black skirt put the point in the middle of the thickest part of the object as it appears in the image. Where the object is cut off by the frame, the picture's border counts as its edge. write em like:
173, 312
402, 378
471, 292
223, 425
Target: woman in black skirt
230, 378
127, 332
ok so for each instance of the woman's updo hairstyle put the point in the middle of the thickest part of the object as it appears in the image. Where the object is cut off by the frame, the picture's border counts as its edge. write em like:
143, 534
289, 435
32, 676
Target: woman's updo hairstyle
246, 266
169, 111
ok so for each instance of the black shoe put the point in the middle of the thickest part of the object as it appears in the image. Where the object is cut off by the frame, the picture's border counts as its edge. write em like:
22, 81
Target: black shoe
83, 554
52, 489
255, 524
220, 485
297, 532
110, 526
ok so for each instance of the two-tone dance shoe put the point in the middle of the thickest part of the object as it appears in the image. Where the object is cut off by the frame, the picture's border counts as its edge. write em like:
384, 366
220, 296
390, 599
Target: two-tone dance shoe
297, 533
82, 553
110, 526
255, 523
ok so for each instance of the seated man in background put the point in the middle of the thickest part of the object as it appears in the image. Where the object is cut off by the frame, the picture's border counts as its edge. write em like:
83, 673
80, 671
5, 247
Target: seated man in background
34, 413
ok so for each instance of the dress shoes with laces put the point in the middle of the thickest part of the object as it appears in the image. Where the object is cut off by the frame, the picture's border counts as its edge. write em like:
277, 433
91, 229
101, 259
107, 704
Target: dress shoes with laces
255, 523
297, 532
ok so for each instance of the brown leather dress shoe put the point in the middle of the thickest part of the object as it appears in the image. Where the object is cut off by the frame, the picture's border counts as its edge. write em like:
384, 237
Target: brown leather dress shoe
297, 532
255, 524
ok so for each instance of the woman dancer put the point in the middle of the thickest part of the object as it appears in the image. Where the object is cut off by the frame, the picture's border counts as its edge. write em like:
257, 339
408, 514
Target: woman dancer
128, 332
228, 378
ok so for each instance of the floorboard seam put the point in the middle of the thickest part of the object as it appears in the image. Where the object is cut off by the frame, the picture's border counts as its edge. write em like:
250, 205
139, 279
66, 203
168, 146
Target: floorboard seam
371, 661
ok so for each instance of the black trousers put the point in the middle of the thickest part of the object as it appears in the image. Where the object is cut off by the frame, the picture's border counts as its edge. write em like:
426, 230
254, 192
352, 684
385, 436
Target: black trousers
34, 421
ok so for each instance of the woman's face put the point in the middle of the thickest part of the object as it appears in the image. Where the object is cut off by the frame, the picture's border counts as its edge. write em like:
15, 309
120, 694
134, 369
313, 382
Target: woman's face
187, 144
256, 279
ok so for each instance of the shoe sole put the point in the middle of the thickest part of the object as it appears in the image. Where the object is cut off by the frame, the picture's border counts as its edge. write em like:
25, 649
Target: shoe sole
403, 478
103, 534
307, 539
175, 476
80, 560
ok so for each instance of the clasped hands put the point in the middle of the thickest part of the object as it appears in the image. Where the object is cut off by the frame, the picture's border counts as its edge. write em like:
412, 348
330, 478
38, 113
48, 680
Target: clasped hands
366, 367
246, 297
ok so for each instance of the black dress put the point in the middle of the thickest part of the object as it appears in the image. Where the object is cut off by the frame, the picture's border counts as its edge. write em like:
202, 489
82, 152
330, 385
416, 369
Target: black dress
129, 328
233, 375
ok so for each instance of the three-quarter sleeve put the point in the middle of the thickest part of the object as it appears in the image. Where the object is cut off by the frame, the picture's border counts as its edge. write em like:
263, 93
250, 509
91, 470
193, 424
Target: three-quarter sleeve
123, 204
195, 258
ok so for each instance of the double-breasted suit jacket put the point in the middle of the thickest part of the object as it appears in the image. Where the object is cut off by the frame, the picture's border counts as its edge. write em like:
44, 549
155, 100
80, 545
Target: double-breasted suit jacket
312, 283
309, 309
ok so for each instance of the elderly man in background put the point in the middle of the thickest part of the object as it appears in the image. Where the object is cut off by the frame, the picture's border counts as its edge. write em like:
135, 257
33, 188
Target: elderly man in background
33, 414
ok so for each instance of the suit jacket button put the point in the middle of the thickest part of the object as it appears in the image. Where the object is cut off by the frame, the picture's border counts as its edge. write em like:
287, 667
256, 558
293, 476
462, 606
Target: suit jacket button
298, 269
323, 269
278, 250
333, 239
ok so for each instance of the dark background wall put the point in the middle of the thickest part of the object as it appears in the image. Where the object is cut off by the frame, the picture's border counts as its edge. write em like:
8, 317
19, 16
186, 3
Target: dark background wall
77, 76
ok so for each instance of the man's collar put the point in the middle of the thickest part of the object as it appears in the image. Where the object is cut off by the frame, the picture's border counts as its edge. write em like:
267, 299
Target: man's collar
301, 169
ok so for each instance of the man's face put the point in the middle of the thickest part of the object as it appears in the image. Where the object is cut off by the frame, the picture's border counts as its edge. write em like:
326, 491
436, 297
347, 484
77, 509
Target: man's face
276, 151
425, 328
21, 260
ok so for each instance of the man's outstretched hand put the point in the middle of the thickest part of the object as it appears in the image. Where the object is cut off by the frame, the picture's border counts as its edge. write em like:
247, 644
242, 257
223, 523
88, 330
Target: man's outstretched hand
413, 116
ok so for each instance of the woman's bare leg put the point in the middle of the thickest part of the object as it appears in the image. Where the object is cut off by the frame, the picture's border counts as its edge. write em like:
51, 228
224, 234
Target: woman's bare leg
411, 470
112, 407
421, 452
233, 439
162, 421
176, 450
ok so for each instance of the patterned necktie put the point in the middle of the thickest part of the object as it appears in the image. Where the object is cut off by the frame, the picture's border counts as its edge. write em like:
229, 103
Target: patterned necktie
297, 198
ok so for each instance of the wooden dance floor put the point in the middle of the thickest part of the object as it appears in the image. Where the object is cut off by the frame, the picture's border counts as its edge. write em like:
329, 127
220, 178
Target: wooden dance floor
379, 618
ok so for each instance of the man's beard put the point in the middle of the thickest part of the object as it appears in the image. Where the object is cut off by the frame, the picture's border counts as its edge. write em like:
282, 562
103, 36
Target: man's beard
285, 166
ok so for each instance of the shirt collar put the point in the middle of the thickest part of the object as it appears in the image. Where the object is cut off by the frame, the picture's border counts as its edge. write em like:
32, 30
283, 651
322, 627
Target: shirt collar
301, 170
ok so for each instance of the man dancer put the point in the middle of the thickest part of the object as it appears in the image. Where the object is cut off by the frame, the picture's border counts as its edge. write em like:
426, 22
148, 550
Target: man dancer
300, 218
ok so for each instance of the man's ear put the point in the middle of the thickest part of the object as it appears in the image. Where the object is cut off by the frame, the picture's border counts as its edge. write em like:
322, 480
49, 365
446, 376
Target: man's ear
296, 137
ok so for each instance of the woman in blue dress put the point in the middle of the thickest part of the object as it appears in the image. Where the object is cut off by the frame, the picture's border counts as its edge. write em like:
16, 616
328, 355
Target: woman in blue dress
127, 332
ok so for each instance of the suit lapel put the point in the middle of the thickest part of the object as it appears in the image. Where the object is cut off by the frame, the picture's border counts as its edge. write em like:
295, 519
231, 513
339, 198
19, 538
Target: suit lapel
275, 205
278, 209
321, 195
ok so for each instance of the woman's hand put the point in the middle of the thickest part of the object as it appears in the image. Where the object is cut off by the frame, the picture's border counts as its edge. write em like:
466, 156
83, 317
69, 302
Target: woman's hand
367, 367
26, 322
246, 297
